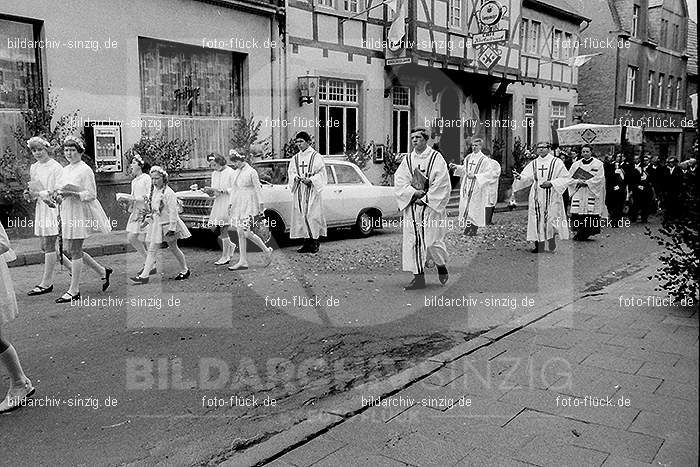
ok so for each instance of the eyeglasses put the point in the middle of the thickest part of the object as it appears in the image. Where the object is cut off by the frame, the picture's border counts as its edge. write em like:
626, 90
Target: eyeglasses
542, 147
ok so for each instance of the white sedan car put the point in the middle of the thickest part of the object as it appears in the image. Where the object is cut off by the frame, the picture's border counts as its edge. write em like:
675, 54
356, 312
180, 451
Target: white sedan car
349, 199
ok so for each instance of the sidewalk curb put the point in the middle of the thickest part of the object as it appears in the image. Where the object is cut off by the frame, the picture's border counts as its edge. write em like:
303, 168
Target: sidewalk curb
37, 256
284, 442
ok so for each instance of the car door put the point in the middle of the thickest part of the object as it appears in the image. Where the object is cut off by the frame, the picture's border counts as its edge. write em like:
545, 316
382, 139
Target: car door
332, 201
275, 192
350, 188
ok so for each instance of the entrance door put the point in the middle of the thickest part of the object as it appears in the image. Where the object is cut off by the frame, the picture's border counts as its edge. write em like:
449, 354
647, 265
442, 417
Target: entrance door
451, 134
449, 141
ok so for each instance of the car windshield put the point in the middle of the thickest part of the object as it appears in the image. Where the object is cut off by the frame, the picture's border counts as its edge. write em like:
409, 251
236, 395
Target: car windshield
272, 172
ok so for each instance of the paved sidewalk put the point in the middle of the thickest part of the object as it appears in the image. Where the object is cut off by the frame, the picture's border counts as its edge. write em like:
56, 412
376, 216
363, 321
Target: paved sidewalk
610, 379
28, 250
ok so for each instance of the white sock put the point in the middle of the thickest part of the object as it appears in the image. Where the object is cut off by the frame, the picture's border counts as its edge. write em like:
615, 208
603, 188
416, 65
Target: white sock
50, 260
10, 361
76, 269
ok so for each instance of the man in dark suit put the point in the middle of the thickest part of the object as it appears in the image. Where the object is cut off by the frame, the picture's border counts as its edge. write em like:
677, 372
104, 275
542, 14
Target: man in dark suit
656, 176
640, 187
616, 189
673, 188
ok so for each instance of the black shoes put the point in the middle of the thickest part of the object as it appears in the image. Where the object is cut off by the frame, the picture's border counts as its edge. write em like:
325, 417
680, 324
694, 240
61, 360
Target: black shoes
539, 248
105, 285
182, 276
442, 274
153, 271
66, 297
39, 290
418, 282
552, 243
310, 246
140, 280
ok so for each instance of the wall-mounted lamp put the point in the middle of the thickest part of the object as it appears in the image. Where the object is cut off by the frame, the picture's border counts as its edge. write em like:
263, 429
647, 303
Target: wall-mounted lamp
308, 87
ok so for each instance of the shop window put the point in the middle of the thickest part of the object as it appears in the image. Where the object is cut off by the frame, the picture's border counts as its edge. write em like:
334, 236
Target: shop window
181, 79
20, 75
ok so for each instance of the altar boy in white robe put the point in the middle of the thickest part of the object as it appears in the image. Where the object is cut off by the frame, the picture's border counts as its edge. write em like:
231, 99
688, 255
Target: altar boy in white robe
422, 187
306, 179
493, 191
587, 191
548, 178
478, 175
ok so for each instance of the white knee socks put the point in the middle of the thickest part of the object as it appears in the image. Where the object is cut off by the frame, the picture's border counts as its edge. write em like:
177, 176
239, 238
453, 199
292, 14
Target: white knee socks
10, 361
76, 269
49, 266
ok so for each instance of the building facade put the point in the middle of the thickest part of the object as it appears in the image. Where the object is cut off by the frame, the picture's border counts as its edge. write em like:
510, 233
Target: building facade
187, 68
639, 77
690, 137
545, 97
444, 64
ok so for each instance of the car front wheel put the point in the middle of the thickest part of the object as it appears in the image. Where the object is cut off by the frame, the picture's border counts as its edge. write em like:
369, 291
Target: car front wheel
364, 226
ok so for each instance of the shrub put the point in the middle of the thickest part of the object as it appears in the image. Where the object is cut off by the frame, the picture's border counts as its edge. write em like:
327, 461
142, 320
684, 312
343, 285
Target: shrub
391, 163
157, 149
245, 138
15, 159
680, 259
356, 152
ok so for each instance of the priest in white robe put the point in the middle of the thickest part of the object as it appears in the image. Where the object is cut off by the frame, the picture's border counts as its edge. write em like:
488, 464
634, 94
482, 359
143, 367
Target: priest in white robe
547, 178
306, 179
587, 191
422, 187
478, 174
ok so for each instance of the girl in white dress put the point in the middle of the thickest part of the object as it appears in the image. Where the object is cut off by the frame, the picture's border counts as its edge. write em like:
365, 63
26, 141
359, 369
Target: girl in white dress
43, 175
165, 225
20, 386
246, 203
81, 215
221, 180
140, 191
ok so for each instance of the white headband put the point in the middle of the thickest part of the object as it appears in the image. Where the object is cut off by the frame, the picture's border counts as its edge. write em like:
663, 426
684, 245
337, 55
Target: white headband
233, 154
160, 170
73, 139
38, 140
138, 158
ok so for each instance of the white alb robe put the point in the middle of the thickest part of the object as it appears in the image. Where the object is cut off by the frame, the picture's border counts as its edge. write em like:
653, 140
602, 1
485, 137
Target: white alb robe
475, 193
493, 186
589, 199
546, 213
308, 219
424, 227
45, 175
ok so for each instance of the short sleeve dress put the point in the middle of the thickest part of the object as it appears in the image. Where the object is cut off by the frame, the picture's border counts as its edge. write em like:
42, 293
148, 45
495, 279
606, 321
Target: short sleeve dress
165, 217
140, 190
8, 301
245, 196
45, 175
83, 216
221, 180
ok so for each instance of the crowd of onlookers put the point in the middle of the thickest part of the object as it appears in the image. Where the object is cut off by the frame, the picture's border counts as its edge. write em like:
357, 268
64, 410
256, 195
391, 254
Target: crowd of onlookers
642, 185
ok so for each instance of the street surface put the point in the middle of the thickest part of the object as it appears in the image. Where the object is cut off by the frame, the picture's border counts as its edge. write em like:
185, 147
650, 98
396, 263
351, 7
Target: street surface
184, 373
